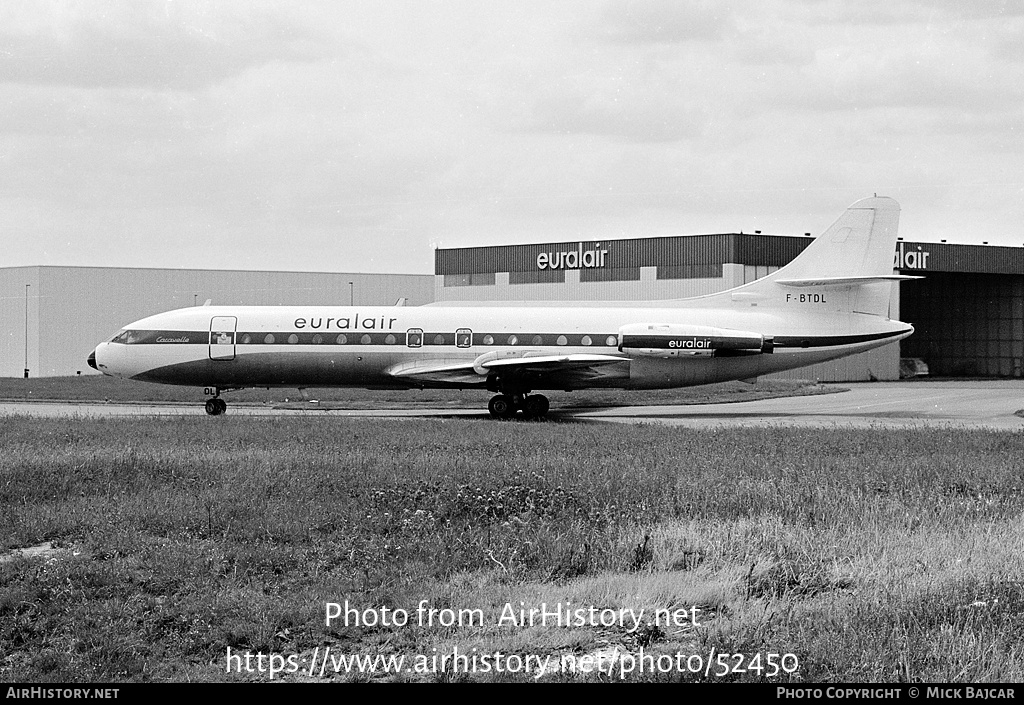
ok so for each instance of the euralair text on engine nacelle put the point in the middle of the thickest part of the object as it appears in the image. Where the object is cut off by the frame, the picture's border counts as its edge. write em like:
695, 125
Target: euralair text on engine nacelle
682, 340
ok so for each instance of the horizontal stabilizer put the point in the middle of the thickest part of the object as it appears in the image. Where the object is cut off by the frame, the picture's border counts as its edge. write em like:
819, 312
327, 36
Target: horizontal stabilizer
846, 281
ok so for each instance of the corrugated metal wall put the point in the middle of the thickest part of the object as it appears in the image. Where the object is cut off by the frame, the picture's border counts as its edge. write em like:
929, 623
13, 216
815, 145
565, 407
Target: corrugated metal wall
740, 248
978, 259
74, 308
13, 299
647, 288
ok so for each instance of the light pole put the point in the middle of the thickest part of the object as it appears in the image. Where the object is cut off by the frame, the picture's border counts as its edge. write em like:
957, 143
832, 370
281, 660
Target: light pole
26, 330
351, 295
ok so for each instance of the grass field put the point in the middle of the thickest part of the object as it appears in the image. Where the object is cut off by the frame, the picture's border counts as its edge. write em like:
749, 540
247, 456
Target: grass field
103, 388
869, 555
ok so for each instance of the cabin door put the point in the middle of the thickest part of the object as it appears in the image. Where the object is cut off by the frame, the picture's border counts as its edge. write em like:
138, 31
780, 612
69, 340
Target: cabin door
222, 337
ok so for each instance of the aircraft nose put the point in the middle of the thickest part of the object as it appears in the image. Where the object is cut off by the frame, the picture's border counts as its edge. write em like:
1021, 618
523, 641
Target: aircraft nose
92, 360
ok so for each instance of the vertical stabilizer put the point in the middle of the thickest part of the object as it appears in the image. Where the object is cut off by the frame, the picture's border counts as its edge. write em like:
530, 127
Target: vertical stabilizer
851, 262
862, 242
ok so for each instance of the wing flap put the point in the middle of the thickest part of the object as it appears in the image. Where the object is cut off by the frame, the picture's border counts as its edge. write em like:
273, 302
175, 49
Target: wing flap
548, 363
437, 372
475, 372
429, 367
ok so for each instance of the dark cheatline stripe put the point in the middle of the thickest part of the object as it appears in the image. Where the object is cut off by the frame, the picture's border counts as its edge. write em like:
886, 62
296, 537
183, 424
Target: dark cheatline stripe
521, 339
357, 337
428, 339
825, 341
166, 337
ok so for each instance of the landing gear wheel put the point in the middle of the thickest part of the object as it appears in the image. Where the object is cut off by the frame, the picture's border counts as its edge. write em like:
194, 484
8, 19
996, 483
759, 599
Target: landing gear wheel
535, 406
216, 406
501, 407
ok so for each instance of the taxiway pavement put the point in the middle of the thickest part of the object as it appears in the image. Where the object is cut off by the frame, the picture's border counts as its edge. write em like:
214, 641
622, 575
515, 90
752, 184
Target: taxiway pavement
980, 405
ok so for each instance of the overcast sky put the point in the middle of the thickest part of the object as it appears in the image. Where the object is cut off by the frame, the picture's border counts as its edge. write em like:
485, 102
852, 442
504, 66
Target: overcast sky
357, 136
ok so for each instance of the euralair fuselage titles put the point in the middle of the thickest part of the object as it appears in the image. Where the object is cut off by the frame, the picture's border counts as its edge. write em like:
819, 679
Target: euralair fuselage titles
831, 301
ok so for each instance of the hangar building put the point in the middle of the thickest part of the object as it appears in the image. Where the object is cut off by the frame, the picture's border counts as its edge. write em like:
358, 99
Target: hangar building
52, 317
968, 311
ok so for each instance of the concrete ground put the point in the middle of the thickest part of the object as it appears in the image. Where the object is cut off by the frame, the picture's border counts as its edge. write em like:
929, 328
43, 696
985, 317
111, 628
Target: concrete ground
964, 404
983, 405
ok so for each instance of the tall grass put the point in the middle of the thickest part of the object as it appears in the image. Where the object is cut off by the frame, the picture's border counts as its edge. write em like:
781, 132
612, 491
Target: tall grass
871, 554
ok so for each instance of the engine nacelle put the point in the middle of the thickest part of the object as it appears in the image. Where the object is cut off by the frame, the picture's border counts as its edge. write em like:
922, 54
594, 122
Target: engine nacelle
683, 340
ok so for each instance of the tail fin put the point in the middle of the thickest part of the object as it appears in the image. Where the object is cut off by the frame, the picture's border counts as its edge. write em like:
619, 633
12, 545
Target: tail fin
852, 261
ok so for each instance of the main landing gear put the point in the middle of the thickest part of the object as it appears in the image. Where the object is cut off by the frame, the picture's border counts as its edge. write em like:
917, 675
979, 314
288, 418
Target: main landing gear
505, 406
215, 406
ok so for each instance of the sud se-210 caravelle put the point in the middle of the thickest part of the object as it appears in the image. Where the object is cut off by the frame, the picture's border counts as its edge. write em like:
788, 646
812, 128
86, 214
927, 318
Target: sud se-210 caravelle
831, 301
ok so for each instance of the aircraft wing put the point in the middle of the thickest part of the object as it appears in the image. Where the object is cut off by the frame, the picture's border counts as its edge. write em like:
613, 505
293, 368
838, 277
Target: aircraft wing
475, 372
443, 372
551, 363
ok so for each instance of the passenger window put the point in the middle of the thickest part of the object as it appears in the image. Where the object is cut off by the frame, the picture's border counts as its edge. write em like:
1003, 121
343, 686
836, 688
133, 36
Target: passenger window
488, 339
562, 340
341, 339
293, 339
317, 339
365, 340
390, 340
246, 339
538, 340
585, 340
269, 340
513, 340
414, 337
438, 339
463, 337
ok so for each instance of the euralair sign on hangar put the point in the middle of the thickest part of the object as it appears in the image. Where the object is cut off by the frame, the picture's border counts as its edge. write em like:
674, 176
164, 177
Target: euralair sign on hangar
586, 257
908, 256
577, 258
948, 257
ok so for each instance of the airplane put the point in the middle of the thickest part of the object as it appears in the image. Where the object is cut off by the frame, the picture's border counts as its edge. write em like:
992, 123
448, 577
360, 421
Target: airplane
831, 301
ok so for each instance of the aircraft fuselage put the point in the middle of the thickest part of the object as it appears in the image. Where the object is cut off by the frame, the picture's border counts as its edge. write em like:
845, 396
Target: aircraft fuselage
307, 346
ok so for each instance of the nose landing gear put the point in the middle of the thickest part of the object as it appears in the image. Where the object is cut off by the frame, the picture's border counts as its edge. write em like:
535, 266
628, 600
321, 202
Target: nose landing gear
505, 406
215, 406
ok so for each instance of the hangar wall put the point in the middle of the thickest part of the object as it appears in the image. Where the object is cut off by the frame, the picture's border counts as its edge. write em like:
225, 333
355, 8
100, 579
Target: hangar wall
71, 309
967, 311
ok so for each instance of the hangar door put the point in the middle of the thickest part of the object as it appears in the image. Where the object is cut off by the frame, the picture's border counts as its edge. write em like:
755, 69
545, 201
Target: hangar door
966, 325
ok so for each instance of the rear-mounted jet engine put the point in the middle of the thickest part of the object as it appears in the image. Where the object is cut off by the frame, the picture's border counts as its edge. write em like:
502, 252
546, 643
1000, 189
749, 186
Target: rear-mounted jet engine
680, 340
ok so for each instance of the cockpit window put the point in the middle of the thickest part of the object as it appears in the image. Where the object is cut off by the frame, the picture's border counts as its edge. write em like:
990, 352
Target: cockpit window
121, 337
131, 337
